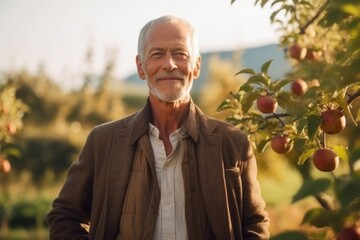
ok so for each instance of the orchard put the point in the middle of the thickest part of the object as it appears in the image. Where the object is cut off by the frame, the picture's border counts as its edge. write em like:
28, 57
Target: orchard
318, 99
12, 111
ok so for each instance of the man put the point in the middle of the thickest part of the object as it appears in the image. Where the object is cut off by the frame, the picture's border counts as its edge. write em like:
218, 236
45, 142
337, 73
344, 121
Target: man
167, 171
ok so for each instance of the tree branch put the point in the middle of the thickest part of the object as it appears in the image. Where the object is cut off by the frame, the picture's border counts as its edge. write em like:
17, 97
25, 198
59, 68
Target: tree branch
278, 115
351, 99
321, 9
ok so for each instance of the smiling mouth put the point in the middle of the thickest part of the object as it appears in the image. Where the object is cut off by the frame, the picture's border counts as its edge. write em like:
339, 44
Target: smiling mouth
170, 79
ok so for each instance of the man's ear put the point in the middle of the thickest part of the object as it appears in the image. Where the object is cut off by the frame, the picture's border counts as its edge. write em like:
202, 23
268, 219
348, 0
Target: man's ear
197, 67
139, 66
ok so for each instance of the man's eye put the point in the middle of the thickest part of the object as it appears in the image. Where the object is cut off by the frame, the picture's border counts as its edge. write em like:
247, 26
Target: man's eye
180, 55
156, 54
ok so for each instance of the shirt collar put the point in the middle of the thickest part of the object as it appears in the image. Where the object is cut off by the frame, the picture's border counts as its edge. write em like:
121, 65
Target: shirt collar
141, 126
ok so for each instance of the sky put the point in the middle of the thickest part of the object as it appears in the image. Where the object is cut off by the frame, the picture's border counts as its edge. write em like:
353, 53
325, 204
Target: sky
57, 34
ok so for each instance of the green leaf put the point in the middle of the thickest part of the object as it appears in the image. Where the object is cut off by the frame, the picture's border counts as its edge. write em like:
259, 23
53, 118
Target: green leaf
354, 156
276, 1
311, 188
342, 152
11, 151
341, 100
265, 67
263, 2
246, 87
236, 121
318, 217
262, 145
351, 9
281, 83
305, 155
299, 144
258, 79
347, 190
313, 123
273, 15
293, 235
354, 206
248, 100
246, 70
284, 99
237, 96
226, 104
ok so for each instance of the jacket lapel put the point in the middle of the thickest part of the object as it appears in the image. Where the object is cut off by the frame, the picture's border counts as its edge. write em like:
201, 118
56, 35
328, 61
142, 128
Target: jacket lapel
118, 177
213, 186
211, 171
119, 170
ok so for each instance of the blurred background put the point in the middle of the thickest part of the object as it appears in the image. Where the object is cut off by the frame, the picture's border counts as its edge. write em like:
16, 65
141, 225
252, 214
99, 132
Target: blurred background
66, 66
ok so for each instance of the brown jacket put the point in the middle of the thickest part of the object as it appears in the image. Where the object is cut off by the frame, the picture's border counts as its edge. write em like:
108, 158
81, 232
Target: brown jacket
96, 186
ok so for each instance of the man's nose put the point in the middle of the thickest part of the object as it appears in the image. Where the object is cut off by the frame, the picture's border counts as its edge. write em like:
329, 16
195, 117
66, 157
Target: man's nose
169, 63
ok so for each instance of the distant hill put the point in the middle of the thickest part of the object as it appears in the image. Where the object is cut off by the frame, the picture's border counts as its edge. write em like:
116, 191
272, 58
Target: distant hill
244, 58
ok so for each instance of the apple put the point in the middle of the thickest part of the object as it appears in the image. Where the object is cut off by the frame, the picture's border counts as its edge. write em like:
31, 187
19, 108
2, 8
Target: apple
5, 166
266, 104
299, 87
325, 160
281, 144
11, 127
333, 121
348, 233
297, 52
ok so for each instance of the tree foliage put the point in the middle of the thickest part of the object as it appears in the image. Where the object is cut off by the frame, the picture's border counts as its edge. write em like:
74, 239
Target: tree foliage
56, 121
321, 38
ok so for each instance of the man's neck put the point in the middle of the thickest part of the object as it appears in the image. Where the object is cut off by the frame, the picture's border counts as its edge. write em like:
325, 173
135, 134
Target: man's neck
168, 116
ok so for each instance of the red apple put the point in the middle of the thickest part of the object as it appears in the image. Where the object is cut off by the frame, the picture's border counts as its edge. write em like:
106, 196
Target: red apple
348, 233
297, 52
266, 104
299, 87
333, 121
11, 127
5, 166
325, 160
281, 144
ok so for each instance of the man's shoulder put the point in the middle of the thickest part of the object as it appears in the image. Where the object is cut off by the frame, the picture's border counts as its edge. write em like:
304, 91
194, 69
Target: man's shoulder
225, 127
115, 126
218, 126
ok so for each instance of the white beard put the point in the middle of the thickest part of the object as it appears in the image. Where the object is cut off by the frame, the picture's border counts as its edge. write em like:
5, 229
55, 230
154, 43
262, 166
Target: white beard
177, 92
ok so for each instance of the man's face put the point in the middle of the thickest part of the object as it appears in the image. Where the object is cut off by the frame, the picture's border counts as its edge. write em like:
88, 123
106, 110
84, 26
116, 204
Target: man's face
168, 63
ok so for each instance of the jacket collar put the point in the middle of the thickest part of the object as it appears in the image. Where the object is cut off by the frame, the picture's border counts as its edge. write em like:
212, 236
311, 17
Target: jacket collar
140, 123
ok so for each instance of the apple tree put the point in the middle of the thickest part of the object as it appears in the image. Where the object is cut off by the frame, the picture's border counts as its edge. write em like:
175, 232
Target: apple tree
317, 100
12, 111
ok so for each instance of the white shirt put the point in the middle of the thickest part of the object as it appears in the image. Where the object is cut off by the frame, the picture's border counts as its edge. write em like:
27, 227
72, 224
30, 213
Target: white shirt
170, 223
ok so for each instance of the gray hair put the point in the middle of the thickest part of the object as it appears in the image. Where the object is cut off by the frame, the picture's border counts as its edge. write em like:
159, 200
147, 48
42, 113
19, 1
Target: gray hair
167, 19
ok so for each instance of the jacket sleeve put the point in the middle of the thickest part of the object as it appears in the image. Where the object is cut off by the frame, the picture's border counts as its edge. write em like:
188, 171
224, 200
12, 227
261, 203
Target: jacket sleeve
70, 216
255, 221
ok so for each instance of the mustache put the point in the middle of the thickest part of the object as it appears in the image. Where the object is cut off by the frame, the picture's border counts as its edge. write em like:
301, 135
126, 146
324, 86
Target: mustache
174, 75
